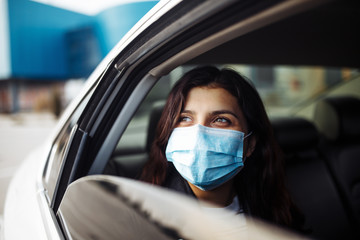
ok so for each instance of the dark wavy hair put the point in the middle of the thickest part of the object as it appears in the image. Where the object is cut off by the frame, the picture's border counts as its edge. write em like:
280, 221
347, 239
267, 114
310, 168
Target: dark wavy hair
260, 184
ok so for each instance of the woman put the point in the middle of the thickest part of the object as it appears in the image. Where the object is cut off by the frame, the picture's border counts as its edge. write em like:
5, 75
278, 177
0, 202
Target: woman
215, 142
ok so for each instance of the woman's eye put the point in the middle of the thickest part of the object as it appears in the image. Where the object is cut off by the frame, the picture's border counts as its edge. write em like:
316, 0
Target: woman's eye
185, 119
222, 120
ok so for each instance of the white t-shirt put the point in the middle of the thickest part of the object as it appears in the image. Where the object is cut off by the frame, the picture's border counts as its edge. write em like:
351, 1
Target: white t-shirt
234, 209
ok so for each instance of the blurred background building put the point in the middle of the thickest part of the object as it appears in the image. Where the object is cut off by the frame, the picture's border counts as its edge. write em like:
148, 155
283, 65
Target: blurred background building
49, 47
47, 50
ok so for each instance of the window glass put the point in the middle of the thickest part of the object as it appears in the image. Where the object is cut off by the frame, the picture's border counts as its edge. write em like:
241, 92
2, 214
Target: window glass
59, 148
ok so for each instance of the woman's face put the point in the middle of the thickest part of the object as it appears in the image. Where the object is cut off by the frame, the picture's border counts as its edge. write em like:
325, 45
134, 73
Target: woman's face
212, 107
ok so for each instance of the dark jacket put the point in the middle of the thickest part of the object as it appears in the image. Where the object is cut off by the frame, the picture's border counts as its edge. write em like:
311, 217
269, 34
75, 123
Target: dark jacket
176, 182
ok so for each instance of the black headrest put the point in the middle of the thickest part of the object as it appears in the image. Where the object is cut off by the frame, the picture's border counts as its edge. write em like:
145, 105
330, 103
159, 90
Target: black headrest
156, 111
295, 134
338, 118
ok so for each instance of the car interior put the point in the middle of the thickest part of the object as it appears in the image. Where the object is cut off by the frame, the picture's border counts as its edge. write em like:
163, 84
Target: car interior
321, 157
309, 80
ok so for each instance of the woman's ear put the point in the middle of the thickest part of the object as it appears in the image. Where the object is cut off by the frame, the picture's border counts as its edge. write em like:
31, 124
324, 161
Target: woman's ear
251, 146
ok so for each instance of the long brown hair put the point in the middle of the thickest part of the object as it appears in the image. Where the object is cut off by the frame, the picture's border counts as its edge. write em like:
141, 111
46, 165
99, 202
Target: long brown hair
260, 185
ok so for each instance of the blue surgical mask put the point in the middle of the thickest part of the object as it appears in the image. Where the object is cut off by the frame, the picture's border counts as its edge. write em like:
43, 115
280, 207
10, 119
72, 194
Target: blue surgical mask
206, 157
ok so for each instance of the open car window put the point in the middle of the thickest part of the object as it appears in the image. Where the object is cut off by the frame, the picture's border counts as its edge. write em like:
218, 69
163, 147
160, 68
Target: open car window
285, 90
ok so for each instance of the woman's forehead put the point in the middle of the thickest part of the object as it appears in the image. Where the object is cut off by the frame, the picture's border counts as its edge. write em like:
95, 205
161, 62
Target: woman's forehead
212, 97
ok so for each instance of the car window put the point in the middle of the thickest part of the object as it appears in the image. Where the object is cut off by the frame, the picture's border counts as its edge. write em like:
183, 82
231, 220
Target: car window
59, 149
285, 91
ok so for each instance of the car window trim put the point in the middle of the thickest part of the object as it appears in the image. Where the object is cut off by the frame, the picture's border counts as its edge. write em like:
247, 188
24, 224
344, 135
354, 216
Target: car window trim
121, 122
111, 78
52, 227
63, 164
80, 102
105, 103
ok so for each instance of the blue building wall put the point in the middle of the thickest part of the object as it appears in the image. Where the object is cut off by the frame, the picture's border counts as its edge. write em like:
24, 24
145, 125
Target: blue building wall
39, 37
114, 23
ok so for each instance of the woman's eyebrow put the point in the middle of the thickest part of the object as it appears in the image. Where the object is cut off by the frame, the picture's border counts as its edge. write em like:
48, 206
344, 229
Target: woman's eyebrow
217, 112
224, 112
187, 111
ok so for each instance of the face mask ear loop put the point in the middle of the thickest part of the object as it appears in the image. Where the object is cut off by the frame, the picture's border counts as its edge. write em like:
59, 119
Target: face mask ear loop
248, 134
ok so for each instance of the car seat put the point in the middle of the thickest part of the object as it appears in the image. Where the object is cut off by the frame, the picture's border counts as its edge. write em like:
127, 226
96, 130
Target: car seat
129, 163
309, 181
338, 121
